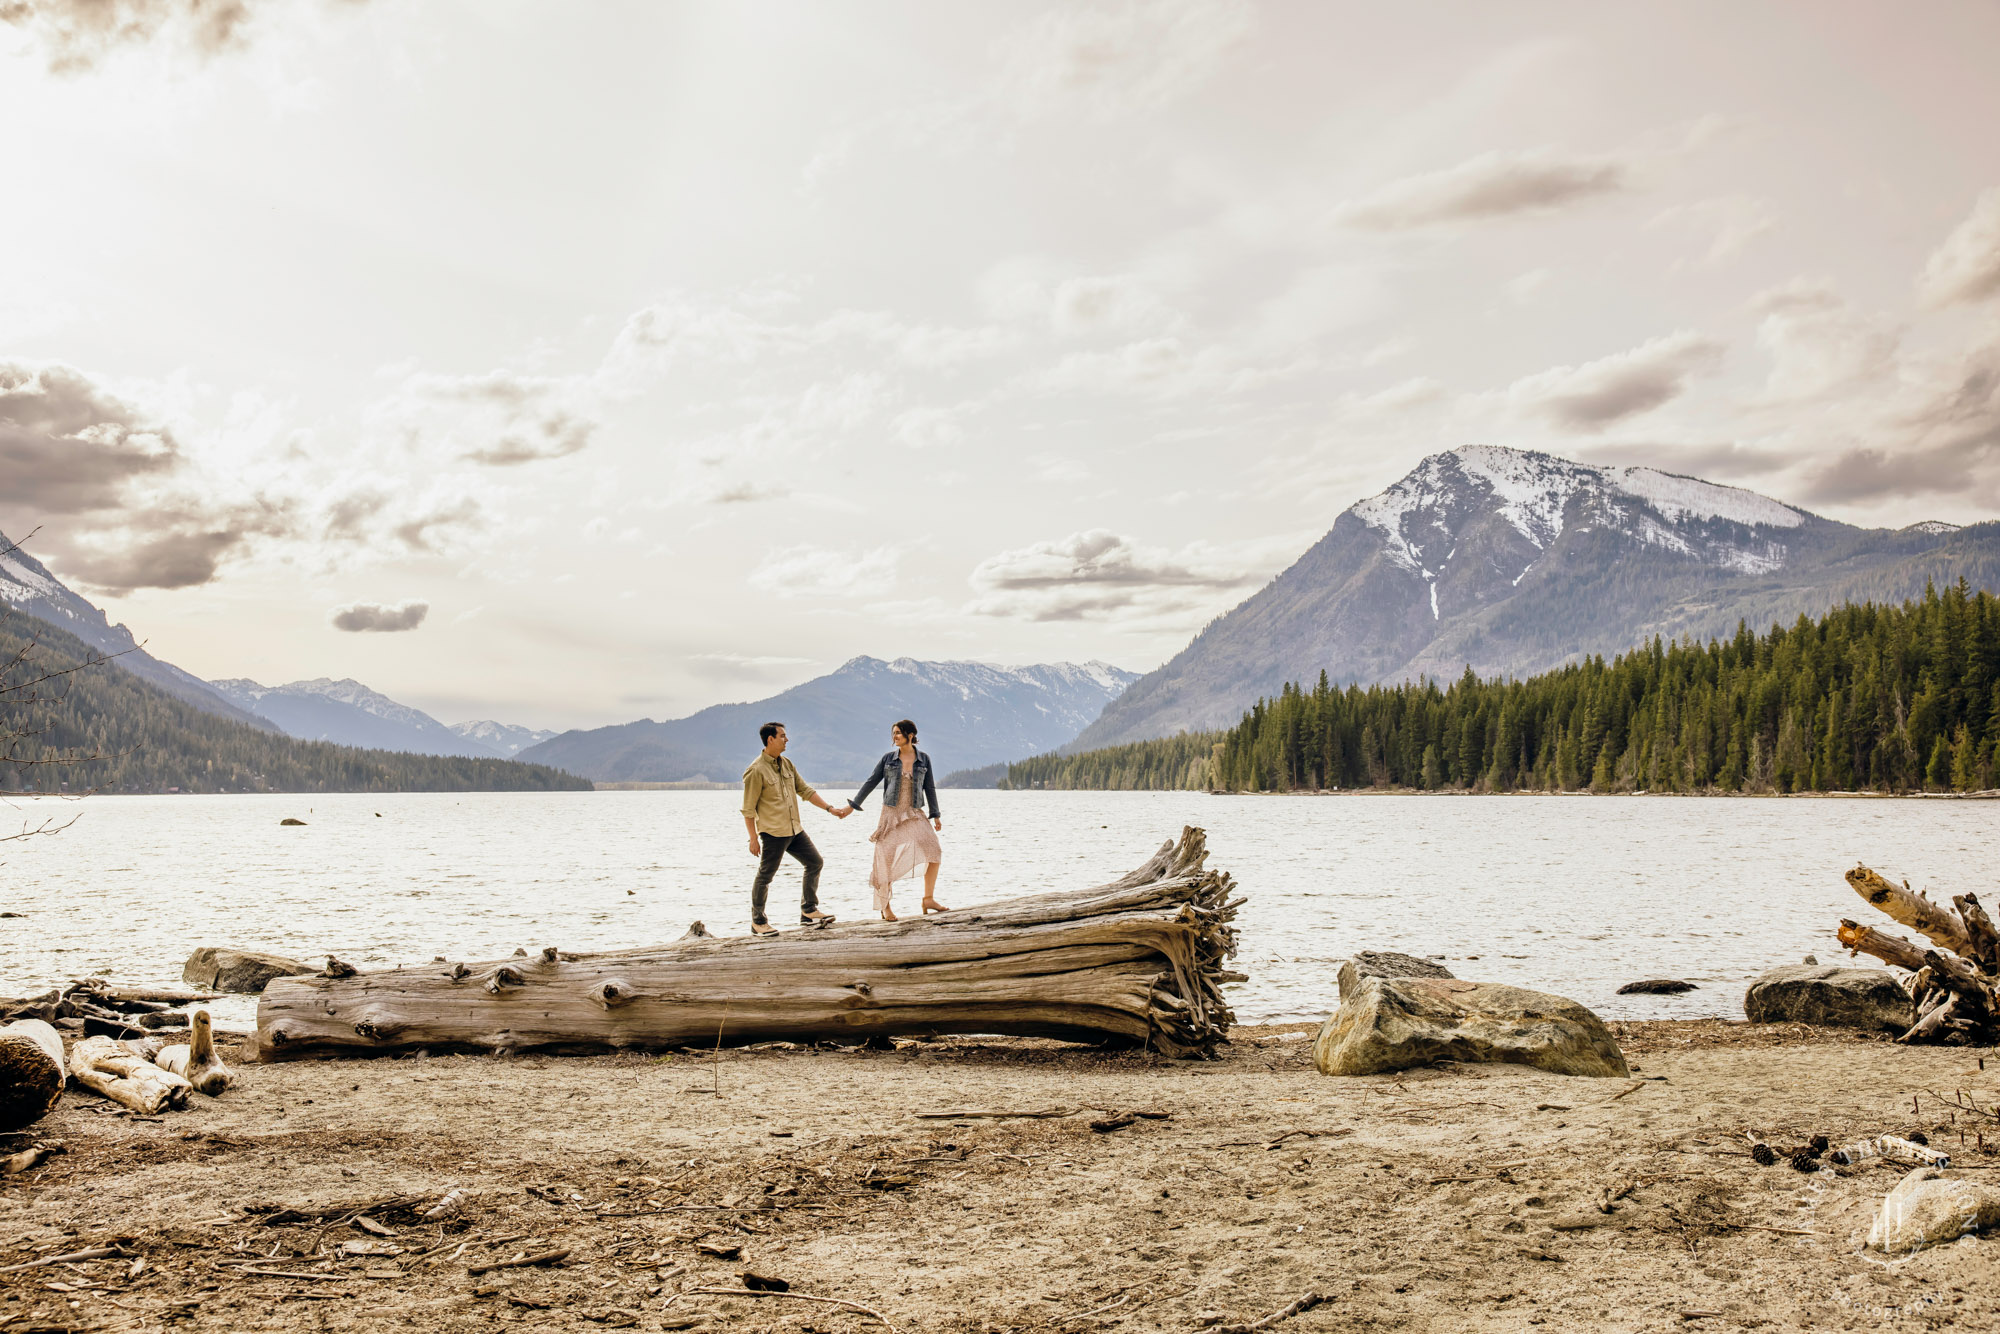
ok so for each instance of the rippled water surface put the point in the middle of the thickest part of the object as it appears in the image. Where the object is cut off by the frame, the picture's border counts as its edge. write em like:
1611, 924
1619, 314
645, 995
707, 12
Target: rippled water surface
1575, 895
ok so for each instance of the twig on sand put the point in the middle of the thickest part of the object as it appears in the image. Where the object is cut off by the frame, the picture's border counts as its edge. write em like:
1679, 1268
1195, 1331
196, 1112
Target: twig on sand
294, 1273
524, 1262
1636, 1085
1124, 1297
992, 1116
798, 1296
1305, 1303
94, 1253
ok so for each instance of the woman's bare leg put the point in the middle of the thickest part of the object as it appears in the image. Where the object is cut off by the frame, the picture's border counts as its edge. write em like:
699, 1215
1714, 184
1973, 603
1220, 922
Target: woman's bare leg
930, 903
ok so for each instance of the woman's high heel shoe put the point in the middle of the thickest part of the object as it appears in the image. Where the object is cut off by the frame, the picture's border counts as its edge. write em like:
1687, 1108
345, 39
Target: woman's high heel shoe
889, 915
932, 905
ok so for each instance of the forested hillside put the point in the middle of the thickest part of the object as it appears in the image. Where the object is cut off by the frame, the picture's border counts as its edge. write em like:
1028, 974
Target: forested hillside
1866, 698
65, 722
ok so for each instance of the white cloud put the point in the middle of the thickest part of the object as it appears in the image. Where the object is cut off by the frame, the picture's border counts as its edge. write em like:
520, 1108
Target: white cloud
1966, 267
1492, 185
1625, 384
1730, 223
1113, 60
1525, 287
820, 572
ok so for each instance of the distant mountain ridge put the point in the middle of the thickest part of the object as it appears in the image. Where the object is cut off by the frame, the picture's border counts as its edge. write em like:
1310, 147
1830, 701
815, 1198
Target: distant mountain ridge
1514, 562
27, 586
505, 739
348, 713
968, 714
113, 731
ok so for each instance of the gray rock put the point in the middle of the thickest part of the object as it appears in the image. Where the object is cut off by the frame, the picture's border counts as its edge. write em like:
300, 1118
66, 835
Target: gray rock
1656, 986
219, 968
1385, 963
1870, 998
1388, 1024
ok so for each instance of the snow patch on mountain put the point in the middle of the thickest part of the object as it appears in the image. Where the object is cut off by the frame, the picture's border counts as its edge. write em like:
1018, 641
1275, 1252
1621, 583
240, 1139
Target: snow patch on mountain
1678, 498
1536, 493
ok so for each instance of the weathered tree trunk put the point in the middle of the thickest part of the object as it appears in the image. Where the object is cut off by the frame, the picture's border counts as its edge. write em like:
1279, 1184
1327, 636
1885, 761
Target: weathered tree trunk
1912, 909
1139, 959
31, 1072
1957, 985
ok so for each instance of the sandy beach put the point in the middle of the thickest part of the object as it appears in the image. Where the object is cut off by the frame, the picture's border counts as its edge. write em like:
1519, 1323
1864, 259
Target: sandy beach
1454, 1198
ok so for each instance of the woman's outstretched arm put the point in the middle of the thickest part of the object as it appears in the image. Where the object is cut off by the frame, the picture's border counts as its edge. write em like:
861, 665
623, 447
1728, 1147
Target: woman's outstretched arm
930, 787
874, 781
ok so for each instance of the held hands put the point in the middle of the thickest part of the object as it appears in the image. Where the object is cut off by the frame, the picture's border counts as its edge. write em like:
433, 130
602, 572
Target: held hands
840, 812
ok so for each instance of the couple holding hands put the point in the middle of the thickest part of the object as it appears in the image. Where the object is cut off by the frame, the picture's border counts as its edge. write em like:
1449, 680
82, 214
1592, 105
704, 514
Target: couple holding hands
903, 839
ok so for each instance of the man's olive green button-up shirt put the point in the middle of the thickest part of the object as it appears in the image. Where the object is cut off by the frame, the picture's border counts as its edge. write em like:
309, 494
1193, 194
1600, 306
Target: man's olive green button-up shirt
771, 792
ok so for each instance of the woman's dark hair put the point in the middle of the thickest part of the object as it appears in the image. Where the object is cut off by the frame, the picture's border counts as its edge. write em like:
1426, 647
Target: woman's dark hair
767, 731
908, 729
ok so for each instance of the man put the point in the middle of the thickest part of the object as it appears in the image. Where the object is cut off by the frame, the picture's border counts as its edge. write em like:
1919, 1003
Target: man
771, 791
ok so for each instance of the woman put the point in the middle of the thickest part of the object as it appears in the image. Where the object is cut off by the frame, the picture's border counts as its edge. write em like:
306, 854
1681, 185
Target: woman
902, 842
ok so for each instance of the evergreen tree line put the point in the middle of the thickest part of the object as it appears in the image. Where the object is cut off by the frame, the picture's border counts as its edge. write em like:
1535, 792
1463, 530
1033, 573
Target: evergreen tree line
1867, 698
70, 721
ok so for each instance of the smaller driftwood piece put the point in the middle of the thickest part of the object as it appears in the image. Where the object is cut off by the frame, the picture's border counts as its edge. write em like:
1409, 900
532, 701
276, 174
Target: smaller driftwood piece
1956, 981
107, 1066
1138, 960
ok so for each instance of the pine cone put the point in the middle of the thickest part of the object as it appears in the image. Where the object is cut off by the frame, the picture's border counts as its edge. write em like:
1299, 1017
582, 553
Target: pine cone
1818, 1144
1762, 1155
1803, 1161
1917, 1137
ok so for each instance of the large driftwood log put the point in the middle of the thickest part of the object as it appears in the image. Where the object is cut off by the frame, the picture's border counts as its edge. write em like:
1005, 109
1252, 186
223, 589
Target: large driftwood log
1956, 986
1139, 959
31, 1072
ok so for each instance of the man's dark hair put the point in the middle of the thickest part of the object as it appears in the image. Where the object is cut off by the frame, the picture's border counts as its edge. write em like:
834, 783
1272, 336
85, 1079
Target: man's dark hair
908, 729
767, 731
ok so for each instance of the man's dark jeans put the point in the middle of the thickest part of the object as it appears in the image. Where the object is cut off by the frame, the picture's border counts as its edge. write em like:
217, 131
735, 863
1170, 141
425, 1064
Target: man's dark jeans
775, 848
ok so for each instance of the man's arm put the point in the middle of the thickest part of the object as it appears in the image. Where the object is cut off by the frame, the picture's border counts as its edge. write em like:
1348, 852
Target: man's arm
753, 790
805, 789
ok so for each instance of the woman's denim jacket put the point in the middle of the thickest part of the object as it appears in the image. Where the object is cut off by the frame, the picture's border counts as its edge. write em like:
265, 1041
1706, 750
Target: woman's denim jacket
889, 774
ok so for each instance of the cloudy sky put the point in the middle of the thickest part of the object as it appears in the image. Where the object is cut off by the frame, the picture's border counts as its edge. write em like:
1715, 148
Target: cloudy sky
572, 363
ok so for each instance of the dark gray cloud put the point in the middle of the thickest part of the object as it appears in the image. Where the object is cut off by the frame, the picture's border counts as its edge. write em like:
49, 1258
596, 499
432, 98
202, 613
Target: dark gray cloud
1947, 444
69, 447
1622, 385
106, 483
77, 34
1492, 185
1099, 573
374, 617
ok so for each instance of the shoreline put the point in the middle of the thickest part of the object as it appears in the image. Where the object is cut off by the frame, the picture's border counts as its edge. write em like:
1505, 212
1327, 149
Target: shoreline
1452, 1198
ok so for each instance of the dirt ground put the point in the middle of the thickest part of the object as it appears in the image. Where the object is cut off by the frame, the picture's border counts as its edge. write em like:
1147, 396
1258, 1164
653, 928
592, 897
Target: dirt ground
1459, 1198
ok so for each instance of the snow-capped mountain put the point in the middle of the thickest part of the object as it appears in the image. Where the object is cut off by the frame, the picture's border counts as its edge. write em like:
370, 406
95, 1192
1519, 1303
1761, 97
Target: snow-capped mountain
502, 738
27, 586
1513, 562
968, 714
348, 713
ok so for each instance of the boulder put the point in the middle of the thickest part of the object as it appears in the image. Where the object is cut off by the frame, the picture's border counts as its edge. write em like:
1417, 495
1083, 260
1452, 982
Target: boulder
1925, 1209
219, 968
1385, 963
1870, 998
1656, 986
1388, 1024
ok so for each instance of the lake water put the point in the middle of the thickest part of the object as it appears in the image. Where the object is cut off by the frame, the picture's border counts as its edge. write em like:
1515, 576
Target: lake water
1575, 895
